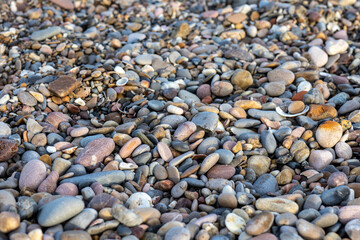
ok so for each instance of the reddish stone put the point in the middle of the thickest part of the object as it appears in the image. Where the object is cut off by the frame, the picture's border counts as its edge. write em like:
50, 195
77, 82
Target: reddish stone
298, 96
103, 200
50, 183
55, 118
164, 185
67, 4
33, 173
64, 85
67, 189
221, 171
8, 149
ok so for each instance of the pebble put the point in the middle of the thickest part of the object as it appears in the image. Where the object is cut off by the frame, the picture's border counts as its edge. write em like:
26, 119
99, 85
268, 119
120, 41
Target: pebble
318, 56
260, 223
45, 33
276, 204
59, 211
33, 173
328, 134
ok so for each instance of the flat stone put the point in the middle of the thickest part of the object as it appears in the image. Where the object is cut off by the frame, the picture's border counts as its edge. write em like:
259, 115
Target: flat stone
46, 33
64, 85
59, 211
8, 149
66, 4
95, 152
105, 178
27, 99
206, 120
276, 204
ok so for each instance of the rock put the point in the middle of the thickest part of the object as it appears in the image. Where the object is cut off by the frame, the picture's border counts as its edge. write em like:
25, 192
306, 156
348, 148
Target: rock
59, 211
296, 107
8, 149
309, 230
334, 47
335, 195
343, 150
260, 164
9, 221
164, 151
328, 134
177, 233
276, 204
265, 183
7, 200
221, 171
286, 219
82, 220
33, 173
95, 152
221, 88
349, 106
45, 33
64, 85
268, 141
274, 89
55, 118
313, 96
181, 30
318, 112
300, 151
5, 130
348, 213
319, 159
235, 223
208, 163
236, 17
281, 75
125, 216
326, 220
106, 178
139, 199
259, 224
337, 179
27, 207
76, 234
284, 177
242, 79
227, 200
206, 120
27, 99
352, 229
103, 200
271, 115
179, 189
66, 4
184, 131
318, 56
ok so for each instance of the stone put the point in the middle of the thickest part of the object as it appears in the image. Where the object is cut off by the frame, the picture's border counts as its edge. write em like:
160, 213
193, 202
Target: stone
206, 120
260, 164
348, 213
55, 118
309, 230
274, 89
45, 33
125, 216
95, 152
242, 79
8, 149
343, 150
181, 30
235, 223
27, 99
326, 220
318, 112
266, 183
319, 159
7, 200
281, 75
268, 141
9, 221
300, 151
66, 4
139, 199
221, 171
5, 130
64, 85
276, 204
259, 224
337, 179
296, 107
227, 200
75, 234
208, 163
177, 233
328, 134
221, 88
106, 178
335, 195
164, 151
59, 211
334, 47
33, 173
318, 56
352, 229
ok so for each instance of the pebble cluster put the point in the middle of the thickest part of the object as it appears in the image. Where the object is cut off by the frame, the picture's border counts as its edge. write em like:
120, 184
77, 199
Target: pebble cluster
178, 120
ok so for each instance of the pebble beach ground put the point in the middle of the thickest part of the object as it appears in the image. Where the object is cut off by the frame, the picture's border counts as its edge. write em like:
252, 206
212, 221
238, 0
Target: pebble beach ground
178, 120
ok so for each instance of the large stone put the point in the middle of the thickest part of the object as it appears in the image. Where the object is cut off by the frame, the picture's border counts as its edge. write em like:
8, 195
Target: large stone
64, 85
328, 134
95, 152
45, 33
59, 211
